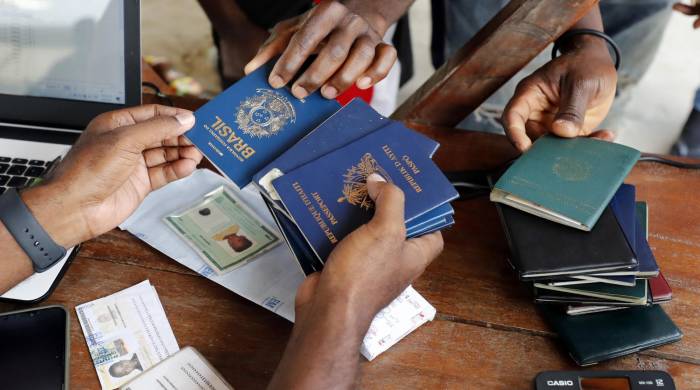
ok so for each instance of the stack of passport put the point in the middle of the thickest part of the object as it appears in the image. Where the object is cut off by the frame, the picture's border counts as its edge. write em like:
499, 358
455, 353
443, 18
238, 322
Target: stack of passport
310, 159
579, 235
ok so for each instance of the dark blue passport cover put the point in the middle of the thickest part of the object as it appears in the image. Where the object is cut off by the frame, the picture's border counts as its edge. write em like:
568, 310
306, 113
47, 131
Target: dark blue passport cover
249, 124
353, 121
437, 214
624, 208
327, 198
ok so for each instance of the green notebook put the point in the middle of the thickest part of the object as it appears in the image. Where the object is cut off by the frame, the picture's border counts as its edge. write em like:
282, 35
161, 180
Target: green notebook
566, 180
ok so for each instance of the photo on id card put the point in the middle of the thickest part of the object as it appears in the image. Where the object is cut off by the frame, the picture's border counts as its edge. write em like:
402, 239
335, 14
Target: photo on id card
223, 230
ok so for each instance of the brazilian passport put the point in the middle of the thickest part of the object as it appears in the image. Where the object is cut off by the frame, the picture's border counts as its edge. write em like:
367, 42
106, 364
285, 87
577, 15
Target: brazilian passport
250, 124
327, 198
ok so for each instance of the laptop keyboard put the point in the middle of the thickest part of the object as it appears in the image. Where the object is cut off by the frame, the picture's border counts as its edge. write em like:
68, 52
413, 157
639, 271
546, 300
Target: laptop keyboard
18, 172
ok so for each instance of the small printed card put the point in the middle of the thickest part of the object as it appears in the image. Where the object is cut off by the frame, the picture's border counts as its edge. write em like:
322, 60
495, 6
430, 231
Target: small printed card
223, 231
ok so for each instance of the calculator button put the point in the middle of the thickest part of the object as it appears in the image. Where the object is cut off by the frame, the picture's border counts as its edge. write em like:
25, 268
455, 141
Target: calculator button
37, 162
5, 159
19, 160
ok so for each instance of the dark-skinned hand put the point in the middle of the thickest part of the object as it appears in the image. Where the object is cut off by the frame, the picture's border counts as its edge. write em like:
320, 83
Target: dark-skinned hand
569, 96
349, 50
690, 10
120, 158
371, 266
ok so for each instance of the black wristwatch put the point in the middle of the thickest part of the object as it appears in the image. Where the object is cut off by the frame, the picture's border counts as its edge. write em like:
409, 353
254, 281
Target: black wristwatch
28, 233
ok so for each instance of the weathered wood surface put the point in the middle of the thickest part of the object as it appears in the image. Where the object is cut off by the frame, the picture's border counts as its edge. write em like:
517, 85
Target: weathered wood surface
516, 35
487, 333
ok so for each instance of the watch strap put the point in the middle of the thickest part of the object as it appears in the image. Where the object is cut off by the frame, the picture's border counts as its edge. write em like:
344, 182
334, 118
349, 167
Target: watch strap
30, 236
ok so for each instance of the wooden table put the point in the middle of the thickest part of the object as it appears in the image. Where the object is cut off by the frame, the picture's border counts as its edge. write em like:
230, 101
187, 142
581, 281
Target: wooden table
487, 333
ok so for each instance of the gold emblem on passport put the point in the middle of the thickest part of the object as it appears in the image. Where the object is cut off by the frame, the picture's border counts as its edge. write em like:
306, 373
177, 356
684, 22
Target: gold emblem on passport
355, 182
264, 114
571, 169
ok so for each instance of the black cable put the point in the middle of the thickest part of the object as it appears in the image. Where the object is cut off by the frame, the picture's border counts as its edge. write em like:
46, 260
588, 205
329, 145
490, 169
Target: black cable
666, 161
587, 31
158, 92
471, 184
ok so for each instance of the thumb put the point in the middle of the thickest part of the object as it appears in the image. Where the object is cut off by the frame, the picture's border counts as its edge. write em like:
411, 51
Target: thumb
605, 135
388, 201
153, 132
573, 102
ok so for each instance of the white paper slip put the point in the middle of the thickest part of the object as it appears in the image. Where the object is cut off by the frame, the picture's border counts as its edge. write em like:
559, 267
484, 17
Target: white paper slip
403, 315
126, 332
185, 370
270, 281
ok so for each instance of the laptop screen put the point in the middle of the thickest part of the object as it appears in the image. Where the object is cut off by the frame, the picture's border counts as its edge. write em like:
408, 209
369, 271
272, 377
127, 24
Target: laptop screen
67, 49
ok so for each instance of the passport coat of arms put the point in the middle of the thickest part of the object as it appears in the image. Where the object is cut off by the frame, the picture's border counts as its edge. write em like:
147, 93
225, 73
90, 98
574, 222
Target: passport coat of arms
264, 114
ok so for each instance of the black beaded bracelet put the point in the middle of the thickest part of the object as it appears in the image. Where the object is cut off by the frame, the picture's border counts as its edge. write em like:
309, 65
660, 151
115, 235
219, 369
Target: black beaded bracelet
587, 31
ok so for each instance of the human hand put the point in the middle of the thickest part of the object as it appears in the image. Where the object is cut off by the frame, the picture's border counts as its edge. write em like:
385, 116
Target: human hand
569, 96
349, 47
690, 10
370, 267
121, 157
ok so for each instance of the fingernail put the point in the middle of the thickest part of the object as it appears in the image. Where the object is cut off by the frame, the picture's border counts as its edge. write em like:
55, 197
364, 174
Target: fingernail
299, 92
329, 92
185, 118
565, 128
364, 82
372, 187
246, 68
276, 81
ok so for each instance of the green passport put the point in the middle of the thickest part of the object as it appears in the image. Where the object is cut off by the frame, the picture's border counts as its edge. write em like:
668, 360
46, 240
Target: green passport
569, 181
596, 337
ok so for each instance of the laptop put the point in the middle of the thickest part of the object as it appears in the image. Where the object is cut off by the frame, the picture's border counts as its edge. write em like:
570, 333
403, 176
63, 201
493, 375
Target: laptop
62, 62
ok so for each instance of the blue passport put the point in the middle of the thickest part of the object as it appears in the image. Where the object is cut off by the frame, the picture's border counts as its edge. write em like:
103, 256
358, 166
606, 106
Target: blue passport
250, 124
646, 262
353, 121
624, 208
296, 242
327, 198
434, 226
431, 218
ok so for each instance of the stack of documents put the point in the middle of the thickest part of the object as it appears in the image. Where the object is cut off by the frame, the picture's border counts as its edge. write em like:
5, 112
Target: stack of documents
310, 159
126, 333
270, 281
317, 188
577, 233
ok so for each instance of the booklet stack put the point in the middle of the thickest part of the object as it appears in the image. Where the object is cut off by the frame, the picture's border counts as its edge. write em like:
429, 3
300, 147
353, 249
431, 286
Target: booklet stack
310, 159
580, 237
317, 188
